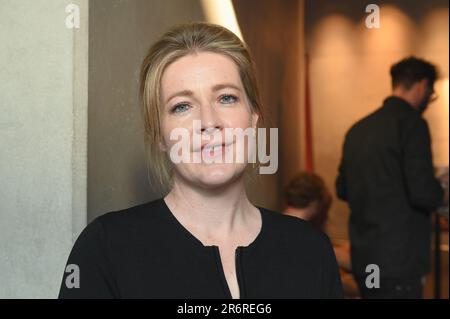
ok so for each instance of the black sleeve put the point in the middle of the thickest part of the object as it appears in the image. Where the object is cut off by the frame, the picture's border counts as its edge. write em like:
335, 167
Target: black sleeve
89, 263
424, 190
331, 286
341, 189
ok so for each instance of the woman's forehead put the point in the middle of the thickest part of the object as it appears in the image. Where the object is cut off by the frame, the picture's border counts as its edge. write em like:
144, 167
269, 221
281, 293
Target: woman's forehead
205, 70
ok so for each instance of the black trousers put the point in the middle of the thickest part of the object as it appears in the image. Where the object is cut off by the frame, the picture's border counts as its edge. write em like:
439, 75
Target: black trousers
392, 288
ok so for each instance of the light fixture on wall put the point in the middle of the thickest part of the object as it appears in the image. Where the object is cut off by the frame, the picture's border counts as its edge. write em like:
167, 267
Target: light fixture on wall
222, 12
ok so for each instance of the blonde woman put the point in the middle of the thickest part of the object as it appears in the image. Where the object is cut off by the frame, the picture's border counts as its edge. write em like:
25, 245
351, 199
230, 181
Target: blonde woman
204, 239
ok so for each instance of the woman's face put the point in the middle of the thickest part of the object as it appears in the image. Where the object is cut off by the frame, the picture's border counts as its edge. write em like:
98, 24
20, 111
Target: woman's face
205, 88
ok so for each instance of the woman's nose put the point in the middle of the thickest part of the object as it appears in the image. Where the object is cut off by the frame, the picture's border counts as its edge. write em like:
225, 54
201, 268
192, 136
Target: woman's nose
210, 120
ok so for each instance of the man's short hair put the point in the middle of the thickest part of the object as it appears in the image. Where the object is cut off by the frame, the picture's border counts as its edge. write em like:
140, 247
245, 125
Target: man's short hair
411, 70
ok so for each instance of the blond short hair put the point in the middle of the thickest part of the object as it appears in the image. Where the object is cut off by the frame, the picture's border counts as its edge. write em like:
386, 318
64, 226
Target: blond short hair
178, 42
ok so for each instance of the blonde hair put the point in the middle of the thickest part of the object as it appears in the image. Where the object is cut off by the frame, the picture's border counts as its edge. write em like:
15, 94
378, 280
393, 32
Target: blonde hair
177, 42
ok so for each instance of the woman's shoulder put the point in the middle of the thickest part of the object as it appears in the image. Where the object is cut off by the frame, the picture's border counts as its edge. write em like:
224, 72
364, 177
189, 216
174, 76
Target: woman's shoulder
101, 245
293, 230
134, 215
134, 222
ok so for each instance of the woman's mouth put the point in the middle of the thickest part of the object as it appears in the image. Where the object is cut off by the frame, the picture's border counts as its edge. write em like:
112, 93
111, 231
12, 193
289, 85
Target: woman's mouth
214, 150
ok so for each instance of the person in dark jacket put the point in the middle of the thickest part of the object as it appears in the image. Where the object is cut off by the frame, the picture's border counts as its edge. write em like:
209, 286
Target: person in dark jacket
386, 175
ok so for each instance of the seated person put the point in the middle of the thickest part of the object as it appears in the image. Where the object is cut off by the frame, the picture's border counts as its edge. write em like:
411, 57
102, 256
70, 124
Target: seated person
308, 198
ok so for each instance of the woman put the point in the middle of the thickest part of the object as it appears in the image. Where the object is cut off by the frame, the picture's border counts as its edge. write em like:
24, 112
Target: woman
204, 239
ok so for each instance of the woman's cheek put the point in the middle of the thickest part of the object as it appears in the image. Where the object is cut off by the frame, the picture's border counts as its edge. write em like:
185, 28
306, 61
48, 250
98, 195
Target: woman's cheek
238, 117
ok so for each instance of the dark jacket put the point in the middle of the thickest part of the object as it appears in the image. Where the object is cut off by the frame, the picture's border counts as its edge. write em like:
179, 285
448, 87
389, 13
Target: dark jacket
144, 252
386, 175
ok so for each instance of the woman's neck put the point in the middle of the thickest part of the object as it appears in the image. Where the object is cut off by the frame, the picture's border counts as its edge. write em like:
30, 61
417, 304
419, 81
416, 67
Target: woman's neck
214, 215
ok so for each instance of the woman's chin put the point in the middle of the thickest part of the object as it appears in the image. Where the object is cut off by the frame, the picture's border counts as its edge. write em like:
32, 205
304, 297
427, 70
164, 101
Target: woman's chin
216, 175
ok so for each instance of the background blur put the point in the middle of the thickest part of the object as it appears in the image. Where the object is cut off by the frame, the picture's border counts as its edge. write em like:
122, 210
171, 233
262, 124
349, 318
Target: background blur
71, 135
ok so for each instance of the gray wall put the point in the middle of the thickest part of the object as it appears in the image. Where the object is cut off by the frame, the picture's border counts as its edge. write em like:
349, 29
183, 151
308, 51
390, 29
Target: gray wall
120, 34
43, 73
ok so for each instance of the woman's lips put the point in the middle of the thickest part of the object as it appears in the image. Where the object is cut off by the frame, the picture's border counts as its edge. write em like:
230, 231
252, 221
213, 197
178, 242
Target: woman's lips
214, 150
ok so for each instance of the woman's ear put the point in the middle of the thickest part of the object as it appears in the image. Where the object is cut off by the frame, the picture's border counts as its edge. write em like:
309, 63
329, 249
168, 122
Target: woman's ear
162, 146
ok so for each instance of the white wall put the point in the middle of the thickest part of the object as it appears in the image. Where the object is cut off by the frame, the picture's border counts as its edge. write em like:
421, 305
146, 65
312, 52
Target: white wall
43, 73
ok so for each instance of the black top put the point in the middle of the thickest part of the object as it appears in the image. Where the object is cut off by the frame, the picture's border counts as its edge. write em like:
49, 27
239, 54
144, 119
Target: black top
144, 252
387, 177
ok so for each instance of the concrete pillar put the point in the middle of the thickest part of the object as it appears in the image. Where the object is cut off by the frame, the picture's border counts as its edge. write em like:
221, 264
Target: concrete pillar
43, 123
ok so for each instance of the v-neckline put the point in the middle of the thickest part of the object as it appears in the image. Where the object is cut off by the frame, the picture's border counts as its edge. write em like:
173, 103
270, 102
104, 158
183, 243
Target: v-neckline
216, 251
199, 243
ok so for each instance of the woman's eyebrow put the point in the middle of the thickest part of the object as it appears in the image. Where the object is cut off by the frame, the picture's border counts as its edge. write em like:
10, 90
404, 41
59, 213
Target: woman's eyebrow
181, 93
215, 88
218, 87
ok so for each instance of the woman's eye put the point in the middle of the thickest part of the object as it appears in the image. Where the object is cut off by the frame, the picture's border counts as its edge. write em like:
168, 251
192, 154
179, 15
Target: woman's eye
228, 99
179, 108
